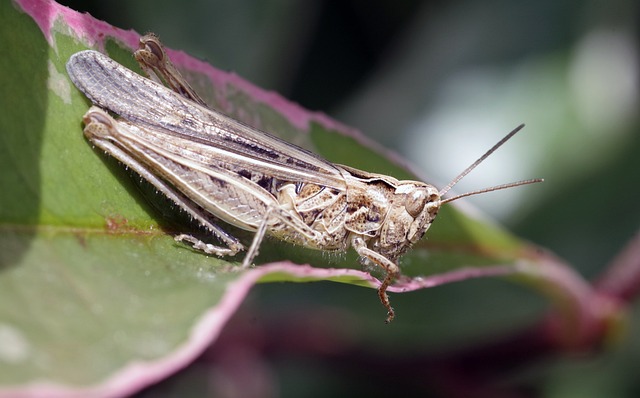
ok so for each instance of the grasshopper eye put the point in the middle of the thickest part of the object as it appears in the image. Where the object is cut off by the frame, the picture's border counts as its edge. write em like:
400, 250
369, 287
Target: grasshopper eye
416, 201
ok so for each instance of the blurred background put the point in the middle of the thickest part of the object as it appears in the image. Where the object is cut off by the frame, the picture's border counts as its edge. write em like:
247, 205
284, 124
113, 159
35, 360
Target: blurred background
440, 82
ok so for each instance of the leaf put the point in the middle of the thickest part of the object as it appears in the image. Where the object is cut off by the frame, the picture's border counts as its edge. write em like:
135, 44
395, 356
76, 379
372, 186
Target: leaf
96, 297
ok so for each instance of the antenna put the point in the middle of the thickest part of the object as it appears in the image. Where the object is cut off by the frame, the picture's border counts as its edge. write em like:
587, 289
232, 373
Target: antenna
475, 164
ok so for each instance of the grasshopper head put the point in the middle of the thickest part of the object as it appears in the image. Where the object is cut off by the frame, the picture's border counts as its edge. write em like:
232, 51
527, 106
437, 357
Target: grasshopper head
413, 211
422, 203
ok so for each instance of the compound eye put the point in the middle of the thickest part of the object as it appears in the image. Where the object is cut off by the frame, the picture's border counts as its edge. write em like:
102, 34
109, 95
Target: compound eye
416, 201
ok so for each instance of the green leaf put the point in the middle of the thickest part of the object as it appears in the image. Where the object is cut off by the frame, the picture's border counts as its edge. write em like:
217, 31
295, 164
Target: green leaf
93, 288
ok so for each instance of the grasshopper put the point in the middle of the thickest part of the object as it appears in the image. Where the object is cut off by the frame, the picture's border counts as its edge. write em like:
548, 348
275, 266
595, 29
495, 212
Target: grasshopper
218, 169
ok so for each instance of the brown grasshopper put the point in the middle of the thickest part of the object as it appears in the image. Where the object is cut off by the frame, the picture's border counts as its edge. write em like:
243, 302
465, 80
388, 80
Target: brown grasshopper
217, 168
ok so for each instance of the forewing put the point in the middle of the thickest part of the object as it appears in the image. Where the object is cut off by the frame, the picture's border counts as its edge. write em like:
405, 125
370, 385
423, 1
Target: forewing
111, 86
